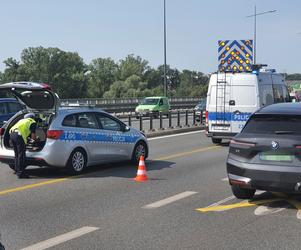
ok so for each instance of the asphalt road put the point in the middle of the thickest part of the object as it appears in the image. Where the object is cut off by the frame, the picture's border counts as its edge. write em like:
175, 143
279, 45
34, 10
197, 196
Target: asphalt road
106, 209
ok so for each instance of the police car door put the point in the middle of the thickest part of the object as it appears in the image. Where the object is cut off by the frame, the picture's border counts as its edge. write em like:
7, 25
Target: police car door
91, 137
117, 146
242, 104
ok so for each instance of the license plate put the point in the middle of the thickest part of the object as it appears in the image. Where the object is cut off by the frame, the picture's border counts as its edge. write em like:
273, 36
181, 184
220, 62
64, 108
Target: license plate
266, 157
220, 128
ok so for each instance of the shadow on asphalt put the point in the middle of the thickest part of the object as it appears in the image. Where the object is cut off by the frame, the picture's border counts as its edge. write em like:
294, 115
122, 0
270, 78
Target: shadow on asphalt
279, 203
224, 144
118, 169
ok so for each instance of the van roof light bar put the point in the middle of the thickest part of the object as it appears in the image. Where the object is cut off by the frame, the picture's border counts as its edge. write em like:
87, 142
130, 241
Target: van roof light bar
258, 66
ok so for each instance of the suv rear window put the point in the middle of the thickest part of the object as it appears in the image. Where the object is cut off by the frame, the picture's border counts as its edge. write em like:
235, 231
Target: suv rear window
273, 124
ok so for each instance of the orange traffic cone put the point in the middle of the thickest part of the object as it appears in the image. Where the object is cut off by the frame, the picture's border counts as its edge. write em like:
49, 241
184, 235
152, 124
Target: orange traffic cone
141, 173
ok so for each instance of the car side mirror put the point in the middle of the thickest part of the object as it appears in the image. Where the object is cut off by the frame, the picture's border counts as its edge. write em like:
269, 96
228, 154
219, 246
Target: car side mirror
125, 128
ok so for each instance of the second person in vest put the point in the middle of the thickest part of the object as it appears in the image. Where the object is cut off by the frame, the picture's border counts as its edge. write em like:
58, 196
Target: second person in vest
20, 133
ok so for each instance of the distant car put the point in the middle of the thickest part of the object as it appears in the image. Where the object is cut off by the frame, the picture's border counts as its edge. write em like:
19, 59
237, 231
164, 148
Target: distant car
73, 137
8, 107
266, 155
200, 109
153, 105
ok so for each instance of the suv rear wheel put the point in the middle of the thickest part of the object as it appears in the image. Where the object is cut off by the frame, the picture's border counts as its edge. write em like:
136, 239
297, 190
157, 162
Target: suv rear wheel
77, 161
12, 166
242, 193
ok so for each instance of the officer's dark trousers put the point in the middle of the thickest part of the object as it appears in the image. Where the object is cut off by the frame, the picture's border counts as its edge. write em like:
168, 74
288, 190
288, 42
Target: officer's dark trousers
20, 152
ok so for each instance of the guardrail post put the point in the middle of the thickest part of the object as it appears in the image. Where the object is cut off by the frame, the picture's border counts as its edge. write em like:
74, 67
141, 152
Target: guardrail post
161, 123
178, 118
130, 120
169, 119
151, 121
186, 117
141, 123
193, 117
201, 118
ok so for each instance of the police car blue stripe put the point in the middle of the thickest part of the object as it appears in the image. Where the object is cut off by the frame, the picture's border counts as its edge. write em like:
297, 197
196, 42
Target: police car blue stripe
228, 116
98, 137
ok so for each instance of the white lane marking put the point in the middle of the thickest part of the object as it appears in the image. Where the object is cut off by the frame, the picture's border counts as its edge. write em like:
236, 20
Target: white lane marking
168, 136
265, 210
225, 179
258, 192
299, 215
61, 238
222, 201
170, 199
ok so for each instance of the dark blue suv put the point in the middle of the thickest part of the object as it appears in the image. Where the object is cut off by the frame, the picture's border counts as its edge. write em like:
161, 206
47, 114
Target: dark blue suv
8, 107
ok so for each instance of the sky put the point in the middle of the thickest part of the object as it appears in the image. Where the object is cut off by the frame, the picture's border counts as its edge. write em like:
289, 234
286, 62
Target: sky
117, 28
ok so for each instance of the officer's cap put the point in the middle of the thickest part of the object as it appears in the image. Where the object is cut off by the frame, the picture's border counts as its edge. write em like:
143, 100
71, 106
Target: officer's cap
30, 115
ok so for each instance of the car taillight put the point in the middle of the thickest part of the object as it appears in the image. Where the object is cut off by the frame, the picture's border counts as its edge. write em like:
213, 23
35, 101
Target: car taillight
46, 86
207, 115
54, 134
241, 143
2, 130
297, 146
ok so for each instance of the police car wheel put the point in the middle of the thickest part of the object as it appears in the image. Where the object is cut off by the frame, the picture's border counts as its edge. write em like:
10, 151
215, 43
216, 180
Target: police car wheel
77, 161
140, 149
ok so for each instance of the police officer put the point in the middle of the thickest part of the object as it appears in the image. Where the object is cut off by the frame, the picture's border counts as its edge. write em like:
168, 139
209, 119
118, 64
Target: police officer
19, 135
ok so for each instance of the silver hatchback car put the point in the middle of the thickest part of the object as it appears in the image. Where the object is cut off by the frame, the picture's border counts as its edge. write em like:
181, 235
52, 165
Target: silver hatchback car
69, 137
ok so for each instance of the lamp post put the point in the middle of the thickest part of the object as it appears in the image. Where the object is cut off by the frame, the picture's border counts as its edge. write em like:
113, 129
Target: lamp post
255, 15
165, 80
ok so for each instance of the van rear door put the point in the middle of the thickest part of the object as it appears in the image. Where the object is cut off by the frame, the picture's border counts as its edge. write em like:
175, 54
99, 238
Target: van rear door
243, 103
219, 115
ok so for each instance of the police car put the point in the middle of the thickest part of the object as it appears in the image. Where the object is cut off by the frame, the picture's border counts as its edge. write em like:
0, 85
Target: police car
74, 137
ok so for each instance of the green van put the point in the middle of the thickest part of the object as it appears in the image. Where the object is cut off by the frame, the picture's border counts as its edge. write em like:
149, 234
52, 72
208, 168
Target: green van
154, 104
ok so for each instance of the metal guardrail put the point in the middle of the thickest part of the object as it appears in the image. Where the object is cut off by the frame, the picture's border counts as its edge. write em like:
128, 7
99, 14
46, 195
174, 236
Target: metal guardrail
174, 119
128, 105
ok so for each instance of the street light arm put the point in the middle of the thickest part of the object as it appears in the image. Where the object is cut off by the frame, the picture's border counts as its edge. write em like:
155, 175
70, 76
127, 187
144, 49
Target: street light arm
262, 13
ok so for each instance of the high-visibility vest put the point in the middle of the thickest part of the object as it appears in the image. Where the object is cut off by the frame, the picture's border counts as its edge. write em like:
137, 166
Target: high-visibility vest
23, 127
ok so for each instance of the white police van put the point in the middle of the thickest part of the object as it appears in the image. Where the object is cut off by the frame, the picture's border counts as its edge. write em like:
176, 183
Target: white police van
233, 97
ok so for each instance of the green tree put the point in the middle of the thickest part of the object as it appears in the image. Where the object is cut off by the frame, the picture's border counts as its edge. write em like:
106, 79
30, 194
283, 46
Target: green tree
64, 71
131, 87
103, 73
293, 77
192, 84
132, 65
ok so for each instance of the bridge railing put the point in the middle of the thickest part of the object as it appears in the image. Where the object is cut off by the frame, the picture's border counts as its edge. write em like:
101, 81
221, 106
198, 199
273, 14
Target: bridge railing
128, 105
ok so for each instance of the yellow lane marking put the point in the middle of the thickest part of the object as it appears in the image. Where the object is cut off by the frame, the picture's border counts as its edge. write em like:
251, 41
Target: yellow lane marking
238, 205
39, 184
186, 153
43, 183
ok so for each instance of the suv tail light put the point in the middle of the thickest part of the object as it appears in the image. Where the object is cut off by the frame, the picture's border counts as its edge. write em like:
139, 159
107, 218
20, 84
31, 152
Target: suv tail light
2, 130
54, 134
241, 143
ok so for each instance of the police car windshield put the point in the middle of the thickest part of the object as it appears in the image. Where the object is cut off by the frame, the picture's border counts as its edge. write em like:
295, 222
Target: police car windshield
150, 101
